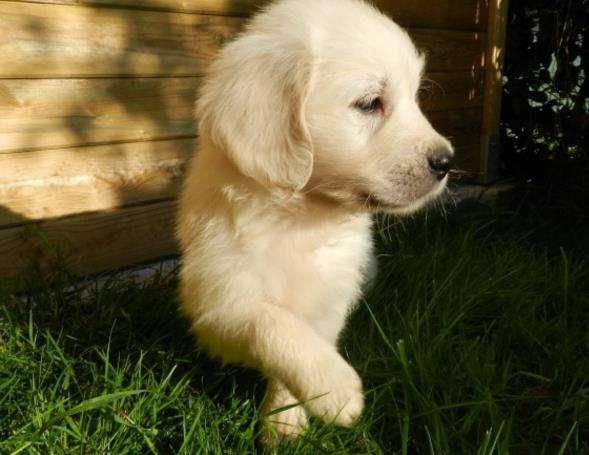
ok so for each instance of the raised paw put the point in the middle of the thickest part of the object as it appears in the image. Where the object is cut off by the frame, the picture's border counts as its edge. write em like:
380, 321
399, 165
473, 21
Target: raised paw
335, 394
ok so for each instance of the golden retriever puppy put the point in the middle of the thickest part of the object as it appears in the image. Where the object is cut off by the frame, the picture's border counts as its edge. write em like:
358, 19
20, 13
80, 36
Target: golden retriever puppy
309, 124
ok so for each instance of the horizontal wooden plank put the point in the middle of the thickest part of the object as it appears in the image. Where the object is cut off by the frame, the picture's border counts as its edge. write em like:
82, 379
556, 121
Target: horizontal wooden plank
50, 113
218, 7
451, 50
43, 113
445, 14
50, 184
91, 243
460, 126
44, 40
451, 91
38, 40
448, 14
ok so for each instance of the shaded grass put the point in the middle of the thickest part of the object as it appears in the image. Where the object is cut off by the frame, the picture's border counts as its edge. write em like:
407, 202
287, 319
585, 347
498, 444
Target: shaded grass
473, 339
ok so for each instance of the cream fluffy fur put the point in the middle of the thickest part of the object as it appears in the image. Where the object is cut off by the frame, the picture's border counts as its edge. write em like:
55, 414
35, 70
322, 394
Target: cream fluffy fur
308, 124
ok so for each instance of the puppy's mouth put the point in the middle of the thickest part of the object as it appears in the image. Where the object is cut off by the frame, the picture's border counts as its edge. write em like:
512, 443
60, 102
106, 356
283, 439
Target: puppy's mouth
358, 197
373, 203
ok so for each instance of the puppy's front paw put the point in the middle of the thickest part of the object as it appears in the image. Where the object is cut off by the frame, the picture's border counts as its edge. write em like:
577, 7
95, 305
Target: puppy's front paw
287, 424
339, 398
278, 424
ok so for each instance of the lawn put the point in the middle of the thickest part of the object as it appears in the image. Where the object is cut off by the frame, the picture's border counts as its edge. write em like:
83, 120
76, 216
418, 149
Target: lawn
473, 339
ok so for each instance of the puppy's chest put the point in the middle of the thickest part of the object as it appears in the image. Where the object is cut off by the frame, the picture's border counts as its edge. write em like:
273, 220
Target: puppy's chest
318, 267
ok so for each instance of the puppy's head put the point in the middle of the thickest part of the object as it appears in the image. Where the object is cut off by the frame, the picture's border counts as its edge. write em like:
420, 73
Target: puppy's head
321, 97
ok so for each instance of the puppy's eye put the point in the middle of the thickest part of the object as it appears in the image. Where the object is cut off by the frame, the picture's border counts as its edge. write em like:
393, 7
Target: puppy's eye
369, 105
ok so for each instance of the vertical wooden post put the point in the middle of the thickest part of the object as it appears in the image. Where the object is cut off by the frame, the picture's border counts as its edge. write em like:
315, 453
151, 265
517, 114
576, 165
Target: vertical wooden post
494, 58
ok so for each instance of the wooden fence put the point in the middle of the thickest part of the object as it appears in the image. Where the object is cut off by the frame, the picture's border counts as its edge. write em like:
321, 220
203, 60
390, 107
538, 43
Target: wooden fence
96, 102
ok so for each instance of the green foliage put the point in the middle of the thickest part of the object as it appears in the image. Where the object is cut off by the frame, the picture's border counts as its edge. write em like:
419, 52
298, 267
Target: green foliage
473, 340
545, 115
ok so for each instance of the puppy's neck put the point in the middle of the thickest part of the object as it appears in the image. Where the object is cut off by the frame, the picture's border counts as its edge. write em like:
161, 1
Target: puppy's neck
217, 173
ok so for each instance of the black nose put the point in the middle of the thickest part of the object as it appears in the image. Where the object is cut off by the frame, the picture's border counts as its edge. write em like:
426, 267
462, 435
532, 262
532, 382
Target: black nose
440, 163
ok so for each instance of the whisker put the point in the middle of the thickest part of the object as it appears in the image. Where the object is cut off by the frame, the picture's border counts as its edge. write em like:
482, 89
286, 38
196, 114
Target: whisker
427, 79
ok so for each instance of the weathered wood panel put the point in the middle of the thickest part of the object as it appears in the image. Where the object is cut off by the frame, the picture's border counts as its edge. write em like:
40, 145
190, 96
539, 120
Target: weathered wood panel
451, 91
43, 40
446, 14
91, 242
39, 40
44, 113
55, 183
462, 126
449, 50
218, 7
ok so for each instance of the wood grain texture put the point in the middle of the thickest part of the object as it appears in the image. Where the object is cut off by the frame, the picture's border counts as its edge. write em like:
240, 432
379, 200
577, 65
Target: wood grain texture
446, 14
45, 40
39, 40
91, 243
449, 50
43, 113
55, 183
217, 7
451, 91
49, 113
462, 127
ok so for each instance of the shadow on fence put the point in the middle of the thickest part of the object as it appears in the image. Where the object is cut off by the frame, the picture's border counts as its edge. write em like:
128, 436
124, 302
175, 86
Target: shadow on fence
99, 107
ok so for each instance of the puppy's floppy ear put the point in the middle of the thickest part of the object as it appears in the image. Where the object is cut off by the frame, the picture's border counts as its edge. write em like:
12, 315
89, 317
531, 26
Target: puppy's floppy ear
252, 106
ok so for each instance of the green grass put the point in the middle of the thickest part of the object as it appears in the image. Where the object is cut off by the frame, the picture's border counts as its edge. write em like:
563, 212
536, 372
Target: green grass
472, 340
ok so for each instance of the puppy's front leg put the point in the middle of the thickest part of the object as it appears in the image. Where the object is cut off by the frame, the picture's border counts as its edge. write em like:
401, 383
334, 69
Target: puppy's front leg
284, 347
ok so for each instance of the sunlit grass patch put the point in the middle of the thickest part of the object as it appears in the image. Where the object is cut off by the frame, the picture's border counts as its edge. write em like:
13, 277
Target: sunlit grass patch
473, 339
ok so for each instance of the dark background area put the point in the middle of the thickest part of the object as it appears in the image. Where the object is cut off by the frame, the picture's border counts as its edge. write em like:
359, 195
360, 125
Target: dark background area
545, 113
